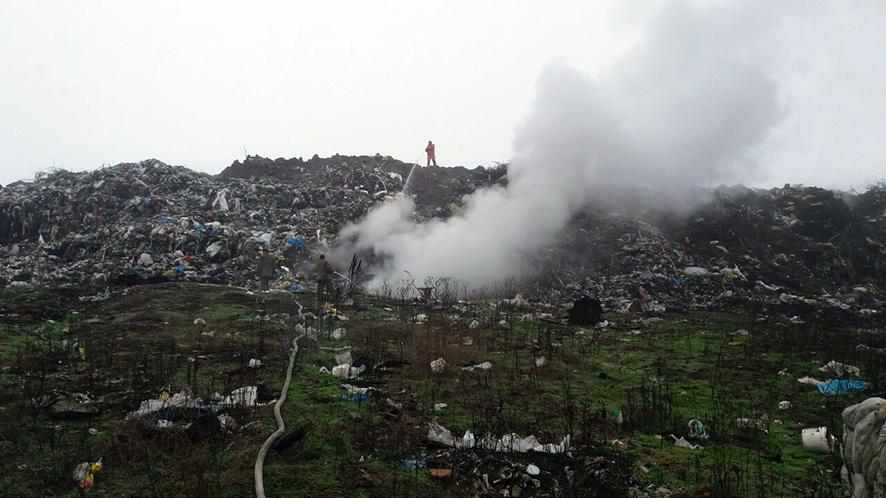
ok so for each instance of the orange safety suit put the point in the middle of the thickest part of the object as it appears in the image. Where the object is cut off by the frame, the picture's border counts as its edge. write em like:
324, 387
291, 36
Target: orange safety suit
432, 156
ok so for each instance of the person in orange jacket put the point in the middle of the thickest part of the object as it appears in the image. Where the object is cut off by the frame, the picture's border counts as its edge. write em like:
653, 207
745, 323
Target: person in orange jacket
432, 155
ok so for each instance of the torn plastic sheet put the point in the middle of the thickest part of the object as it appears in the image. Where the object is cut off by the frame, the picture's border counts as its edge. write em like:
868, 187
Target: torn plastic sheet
840, 369
178, 400
244, 396
836, 387
346, 371
509, 443
480, 366
354, 393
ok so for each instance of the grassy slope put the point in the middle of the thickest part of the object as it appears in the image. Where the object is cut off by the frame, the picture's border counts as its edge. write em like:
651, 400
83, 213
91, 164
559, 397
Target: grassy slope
351, 450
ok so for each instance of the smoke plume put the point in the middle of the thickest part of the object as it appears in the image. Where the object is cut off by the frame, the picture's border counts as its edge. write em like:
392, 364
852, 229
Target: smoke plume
686, 107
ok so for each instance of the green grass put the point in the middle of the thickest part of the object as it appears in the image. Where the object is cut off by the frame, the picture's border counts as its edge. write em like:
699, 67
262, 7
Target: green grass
224, 312
351, 449
13, 339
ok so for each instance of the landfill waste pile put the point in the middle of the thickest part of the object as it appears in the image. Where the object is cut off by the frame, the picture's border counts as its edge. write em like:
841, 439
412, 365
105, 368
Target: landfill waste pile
594, 474
149, 222
598, 372
797, 250
800, 248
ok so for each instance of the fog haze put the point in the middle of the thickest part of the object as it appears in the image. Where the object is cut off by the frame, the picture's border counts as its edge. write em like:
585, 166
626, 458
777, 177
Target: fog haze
204, 83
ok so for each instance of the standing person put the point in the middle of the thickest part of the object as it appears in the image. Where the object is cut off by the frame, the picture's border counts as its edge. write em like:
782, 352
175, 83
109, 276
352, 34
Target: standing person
266, 267
295, 245
432, 153
323, 274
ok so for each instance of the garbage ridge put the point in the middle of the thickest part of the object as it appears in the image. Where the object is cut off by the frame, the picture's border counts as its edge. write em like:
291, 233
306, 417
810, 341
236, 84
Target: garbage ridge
147, 222
798, 247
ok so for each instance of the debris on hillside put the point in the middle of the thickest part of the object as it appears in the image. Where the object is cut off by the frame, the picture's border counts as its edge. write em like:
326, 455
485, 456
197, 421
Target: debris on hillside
797, 250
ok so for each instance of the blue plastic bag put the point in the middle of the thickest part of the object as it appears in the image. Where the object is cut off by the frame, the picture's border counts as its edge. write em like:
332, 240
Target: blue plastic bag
296, 242
835, 387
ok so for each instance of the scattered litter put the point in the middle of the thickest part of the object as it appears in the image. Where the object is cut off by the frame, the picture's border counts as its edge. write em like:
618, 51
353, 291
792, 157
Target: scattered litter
681, 442
861, 348
164, 424
840, 369
810, 381
818, 439
480, 366
342, 371
438, 365
97, 298
760, 424
84, 474
255, 363
412, 464
221, 200
215, 249
346, 371
836, 387
509, 443
242, 396
532, 470
439, 407
697, 429
227, 422
358, 394
619, 444
784, 405
695, 271
180, 399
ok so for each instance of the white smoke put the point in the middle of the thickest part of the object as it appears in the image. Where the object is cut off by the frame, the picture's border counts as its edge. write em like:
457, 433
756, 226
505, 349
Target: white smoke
684, 108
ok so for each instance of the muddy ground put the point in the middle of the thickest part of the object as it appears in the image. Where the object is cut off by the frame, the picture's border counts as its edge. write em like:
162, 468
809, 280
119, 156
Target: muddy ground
619, 392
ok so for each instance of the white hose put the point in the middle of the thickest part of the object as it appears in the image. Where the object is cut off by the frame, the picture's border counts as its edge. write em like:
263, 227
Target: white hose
281, 427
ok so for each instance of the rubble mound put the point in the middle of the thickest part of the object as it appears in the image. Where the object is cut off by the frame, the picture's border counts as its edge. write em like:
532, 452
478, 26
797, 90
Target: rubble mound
801, 248
151, 222
438, 192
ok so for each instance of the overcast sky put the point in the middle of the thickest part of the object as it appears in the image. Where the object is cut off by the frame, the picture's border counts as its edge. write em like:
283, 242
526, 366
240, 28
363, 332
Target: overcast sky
201, 84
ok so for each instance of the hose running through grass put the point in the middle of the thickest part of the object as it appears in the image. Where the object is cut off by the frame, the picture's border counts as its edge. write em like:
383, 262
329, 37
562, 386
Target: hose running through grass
281, 427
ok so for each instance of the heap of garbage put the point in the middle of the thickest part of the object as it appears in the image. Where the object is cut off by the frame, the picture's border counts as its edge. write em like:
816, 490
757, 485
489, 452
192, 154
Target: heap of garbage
798, 248
148, 221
